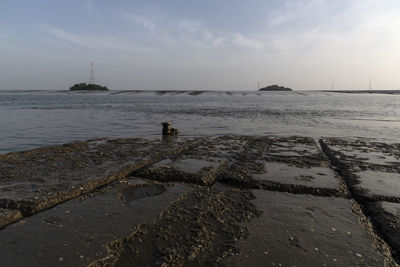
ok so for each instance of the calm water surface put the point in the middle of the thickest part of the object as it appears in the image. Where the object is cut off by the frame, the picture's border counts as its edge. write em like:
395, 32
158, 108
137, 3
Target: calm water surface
30, 119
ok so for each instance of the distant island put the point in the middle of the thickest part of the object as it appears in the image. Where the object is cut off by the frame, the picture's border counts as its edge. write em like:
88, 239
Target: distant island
275, 88
85, 86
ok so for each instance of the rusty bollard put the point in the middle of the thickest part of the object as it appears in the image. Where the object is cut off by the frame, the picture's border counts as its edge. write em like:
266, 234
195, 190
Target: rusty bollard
167, 129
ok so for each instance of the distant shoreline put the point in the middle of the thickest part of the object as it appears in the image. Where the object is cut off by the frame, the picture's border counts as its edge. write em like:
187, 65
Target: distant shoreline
197, 92
392, 92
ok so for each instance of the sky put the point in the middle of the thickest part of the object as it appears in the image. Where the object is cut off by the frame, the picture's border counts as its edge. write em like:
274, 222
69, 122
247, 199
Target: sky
200, 45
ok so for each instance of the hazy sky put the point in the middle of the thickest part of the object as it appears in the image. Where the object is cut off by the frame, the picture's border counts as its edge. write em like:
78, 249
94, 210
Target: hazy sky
203, 44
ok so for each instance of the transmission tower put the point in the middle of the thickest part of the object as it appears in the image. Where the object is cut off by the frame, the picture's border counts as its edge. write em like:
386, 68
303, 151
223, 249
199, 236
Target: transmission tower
91, 73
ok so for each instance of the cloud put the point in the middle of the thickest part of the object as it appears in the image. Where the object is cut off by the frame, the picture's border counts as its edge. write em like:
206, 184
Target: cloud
191, 31
140, 20
317, 29
248, 43
320, 27
177, 34
191, 35
89, 42
190, 26
65, 36
299, 11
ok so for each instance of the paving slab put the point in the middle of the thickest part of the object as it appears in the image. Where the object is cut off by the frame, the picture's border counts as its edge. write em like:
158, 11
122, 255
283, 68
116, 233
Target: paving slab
386, 218
284, 149
227, 146
304, 230
184, 169
123, 202
293, 147
31, 181
318, 177
198, 230
364, 150
371, 169
377, 183
293, 164
199, 165
75, 232
9, 216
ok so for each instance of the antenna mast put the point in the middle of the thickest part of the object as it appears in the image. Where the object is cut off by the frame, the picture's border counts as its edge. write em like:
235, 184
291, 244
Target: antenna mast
91, 73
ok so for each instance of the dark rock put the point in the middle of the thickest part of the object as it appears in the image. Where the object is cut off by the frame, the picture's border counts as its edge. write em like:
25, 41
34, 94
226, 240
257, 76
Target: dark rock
275, 88
86, 87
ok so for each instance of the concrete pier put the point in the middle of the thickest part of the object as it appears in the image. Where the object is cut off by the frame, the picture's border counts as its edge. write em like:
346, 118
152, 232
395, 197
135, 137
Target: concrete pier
228, 200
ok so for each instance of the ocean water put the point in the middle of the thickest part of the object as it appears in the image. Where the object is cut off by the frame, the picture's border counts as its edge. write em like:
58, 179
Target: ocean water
31, 119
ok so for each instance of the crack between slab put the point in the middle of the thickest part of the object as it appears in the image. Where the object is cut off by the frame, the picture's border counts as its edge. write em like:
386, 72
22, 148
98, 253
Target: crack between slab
287, 188
28, 208
381, 244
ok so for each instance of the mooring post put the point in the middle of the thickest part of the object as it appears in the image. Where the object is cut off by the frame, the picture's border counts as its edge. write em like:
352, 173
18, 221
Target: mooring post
167, 129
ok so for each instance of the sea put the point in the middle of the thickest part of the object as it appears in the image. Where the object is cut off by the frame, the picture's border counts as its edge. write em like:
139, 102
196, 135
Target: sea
32, 119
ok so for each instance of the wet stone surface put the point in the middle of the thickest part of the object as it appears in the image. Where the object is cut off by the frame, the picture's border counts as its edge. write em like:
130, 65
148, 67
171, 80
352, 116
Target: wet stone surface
318, 177
215, 201
74, 233
304, 230
293, 164
293, 147
9, 216
31, 181
198, 230
372, 170
184, 169
372, 173
365, 151
386, 217
199, 165
285, 149
375, 183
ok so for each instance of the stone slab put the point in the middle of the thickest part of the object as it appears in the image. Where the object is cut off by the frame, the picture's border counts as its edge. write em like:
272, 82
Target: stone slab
199, 165
75, 233
9, 216
227, 146
184, 169
31, 181
318, 177
304, 230
293, 147
375, 184
386, 218
363, 150
291, 164
199, 229
371, 169
284, 148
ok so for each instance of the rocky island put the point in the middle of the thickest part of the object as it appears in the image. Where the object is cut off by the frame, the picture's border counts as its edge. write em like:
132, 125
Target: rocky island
85, 86
275, 88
